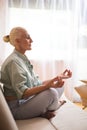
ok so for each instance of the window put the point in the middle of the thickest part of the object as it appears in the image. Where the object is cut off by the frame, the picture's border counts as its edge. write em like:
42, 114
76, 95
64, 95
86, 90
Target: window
50, 30
58, 33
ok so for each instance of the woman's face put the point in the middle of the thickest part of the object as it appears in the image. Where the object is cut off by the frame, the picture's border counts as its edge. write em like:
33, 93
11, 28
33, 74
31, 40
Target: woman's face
24, 41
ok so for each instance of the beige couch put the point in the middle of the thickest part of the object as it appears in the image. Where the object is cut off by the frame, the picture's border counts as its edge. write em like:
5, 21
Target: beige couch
68, 117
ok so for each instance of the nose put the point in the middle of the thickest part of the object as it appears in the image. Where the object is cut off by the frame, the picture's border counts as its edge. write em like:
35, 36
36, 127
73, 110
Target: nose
31, 40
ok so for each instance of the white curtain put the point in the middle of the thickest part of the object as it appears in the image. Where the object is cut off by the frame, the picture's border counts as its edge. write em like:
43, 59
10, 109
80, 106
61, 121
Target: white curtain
3, 24
58, 30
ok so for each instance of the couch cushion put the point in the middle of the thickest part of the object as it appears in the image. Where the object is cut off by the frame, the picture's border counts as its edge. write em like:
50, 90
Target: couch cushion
35, 124
6, 119
70, 117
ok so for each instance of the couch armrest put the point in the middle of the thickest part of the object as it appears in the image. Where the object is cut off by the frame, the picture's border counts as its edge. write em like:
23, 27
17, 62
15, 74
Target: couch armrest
7, 121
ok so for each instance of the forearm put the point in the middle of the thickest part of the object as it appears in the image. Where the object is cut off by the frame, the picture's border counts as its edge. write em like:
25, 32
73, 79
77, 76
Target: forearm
35, 90
54, 83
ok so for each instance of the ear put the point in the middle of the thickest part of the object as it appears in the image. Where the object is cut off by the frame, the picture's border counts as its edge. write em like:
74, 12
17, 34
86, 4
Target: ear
17, 40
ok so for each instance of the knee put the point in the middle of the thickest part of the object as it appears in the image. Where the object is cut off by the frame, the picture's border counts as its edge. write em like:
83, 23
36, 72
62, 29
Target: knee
49, 98
60, 91
53, 96
51, 93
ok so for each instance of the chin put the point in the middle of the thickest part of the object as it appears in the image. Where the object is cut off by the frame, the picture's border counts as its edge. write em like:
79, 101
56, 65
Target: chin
30, 49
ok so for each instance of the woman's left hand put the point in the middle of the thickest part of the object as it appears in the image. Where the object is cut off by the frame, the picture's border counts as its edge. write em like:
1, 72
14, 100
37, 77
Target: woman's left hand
66, 74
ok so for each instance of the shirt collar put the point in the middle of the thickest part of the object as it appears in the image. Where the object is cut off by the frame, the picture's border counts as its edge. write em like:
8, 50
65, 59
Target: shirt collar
20, 55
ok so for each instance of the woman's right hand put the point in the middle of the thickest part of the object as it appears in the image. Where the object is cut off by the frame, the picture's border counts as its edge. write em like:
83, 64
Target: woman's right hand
54, 83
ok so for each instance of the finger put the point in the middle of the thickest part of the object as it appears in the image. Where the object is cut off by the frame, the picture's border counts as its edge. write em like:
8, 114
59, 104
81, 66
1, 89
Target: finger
65, 71
68, 73
58, 78
60, 84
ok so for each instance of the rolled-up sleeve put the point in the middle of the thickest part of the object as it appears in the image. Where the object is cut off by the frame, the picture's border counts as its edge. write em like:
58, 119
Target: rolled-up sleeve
18, 75
18, 79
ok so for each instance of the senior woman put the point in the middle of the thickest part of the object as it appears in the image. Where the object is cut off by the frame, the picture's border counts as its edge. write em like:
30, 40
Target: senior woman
25, 94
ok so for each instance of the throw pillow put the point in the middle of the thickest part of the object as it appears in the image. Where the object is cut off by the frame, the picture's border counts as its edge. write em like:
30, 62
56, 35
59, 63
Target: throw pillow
84, 81
82, 91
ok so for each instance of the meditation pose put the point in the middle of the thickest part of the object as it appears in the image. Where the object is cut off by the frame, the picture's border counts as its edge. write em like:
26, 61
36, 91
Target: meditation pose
26, 95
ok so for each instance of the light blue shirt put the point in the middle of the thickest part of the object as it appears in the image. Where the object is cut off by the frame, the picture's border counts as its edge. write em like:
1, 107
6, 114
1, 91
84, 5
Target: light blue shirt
17, 75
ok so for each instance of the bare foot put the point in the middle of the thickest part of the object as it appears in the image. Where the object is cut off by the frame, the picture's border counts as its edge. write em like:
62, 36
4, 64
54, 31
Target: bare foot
49, 114
84, 107
61, 103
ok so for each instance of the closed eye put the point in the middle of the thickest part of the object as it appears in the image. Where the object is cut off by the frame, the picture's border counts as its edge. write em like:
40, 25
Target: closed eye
28, 37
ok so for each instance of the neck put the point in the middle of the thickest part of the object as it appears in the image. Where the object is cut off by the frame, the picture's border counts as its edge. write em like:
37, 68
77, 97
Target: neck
21, 51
